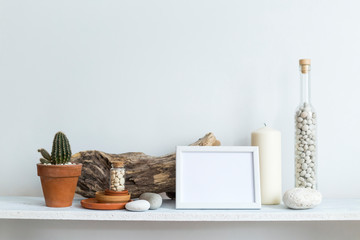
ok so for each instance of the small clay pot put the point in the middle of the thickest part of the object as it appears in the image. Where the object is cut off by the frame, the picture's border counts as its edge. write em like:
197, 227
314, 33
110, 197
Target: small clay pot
92, 203
116, 193
59, 183
103, 198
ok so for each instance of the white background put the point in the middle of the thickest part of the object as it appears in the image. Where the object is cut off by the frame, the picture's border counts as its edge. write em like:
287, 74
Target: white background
146, 76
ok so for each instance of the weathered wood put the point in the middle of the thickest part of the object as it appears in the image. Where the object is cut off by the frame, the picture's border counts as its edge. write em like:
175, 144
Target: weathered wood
144, 173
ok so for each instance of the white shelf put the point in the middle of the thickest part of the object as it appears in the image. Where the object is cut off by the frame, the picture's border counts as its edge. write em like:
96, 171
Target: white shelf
34, 208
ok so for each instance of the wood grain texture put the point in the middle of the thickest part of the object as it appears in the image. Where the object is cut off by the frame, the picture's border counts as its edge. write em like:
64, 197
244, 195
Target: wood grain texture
144, 173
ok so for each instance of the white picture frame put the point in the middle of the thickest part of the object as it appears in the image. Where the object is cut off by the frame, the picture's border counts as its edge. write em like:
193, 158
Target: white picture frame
217, 177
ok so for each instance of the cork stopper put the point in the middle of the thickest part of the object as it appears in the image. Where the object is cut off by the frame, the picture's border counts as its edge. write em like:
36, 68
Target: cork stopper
305, 65
118, 164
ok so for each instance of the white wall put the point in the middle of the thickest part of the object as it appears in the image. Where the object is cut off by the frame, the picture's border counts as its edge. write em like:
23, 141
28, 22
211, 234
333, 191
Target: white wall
146, 76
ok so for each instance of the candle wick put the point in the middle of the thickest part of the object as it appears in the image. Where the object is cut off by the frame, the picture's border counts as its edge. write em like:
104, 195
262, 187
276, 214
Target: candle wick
265, 124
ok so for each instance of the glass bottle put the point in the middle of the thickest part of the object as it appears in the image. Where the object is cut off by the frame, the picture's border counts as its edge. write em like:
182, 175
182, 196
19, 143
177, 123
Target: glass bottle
117, 177
305, 133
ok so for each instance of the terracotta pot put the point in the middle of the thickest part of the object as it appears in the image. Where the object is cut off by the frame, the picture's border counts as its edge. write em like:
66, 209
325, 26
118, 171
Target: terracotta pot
101, 197
59, 183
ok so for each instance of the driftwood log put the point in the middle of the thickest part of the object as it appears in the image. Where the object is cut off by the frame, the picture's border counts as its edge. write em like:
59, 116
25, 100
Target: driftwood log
144, 173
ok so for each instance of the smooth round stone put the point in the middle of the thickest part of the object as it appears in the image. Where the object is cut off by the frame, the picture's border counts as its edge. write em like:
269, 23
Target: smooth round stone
302, 198
304, 114
304, 166
154, 199
138, 206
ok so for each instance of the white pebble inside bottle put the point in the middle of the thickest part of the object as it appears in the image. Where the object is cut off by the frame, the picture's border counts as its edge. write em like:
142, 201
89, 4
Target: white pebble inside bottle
117, 179
305, 147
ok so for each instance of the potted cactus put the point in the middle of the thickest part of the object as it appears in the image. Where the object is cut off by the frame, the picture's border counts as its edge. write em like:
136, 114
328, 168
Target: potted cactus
57, 174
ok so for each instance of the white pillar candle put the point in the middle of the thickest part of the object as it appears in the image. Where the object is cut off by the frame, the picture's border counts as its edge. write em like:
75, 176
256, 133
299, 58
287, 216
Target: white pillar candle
269, 142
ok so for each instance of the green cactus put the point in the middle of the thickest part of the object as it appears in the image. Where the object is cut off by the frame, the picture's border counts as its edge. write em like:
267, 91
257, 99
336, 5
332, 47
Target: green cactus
45, 154
61, 152
43, 161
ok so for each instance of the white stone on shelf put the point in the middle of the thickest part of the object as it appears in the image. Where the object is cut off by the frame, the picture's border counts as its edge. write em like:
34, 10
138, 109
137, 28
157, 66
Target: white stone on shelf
302, 198
154, 199
138, 206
